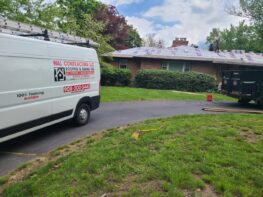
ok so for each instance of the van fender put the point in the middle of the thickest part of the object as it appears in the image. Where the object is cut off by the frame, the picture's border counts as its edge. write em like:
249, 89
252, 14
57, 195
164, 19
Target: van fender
86, 100
93, 102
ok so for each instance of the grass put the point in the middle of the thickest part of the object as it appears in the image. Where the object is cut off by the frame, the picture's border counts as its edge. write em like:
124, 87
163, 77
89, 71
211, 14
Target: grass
201, 155
116, 94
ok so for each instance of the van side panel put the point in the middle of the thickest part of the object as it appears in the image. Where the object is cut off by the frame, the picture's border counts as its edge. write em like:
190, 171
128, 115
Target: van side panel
79, 78
42, 82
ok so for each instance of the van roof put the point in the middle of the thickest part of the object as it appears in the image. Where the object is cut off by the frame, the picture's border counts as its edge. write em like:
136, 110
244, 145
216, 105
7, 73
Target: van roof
41, 41
30, 47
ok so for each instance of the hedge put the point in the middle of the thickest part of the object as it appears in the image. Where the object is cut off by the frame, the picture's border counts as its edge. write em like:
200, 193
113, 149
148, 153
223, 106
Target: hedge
115, 77
169, 80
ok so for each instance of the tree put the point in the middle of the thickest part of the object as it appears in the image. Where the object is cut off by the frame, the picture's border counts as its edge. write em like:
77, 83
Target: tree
134, 39
123, 36
253, 10
5, 7
76, 8
115, 25
85, 18
36, 12
241, 37
76, 18
60, 16
215, 33
151, 41
91, 28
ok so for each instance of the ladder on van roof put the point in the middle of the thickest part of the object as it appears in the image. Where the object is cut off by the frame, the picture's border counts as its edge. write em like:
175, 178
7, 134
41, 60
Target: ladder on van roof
21, 29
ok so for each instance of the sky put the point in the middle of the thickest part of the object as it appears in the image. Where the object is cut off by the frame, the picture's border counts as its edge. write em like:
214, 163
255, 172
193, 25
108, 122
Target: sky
193, 19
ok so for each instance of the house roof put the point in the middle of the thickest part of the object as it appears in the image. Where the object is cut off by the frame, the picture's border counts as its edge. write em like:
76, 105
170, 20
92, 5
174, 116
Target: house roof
190, 53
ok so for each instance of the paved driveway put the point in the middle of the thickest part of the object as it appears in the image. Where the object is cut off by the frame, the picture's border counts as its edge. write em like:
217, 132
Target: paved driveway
13, 153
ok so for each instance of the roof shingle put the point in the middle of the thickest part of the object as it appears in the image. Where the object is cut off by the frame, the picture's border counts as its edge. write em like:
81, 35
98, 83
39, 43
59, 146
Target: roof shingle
191, 53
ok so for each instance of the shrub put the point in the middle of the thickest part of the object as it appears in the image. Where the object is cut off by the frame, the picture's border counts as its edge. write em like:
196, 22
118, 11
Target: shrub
168, 80
115, 77
105, 65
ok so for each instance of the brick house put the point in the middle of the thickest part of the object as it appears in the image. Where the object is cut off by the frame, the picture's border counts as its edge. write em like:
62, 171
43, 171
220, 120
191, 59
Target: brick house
185, 58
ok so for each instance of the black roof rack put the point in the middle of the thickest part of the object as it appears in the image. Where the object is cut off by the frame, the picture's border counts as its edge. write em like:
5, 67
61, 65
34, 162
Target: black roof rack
21, 29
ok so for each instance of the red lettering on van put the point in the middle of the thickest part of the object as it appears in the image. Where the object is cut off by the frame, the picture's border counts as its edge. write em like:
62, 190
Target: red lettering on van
78, 63
57, 63
31, 98
76, 88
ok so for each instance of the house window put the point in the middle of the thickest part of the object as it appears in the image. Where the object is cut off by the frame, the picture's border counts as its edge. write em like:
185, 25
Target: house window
165, 65
123, 63
187, 67
179, 66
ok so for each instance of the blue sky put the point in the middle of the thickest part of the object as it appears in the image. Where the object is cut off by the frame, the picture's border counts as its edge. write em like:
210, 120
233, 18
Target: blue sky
168, 19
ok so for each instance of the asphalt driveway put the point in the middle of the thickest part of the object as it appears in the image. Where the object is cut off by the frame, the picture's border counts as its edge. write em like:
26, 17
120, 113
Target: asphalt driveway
13, 153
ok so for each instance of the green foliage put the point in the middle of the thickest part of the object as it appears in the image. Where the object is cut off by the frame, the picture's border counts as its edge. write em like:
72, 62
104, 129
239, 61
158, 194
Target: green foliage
215, 33
89, 28
241, 37
78, 20
104, 64
115, 77
76, 8
250, 36
253, 9
76, 17
134, 39
36, 12
188, 81
5, 7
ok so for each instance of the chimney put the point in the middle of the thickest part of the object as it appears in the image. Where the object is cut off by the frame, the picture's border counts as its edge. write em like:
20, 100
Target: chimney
180, 42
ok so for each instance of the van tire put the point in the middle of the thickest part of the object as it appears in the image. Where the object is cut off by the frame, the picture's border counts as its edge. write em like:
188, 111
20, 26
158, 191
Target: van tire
82, 115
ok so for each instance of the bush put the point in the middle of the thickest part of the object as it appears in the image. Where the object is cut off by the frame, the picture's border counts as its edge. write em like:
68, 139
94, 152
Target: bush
115, 77
168, 80
105, 65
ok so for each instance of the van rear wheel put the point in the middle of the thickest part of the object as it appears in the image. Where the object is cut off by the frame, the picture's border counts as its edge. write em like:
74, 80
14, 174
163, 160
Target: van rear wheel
82, 115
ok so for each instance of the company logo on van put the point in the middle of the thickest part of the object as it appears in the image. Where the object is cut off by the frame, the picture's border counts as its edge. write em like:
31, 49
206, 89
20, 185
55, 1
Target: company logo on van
60, 74
65, 70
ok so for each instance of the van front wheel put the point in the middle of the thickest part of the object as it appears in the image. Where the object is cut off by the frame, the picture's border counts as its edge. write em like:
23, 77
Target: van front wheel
82, 115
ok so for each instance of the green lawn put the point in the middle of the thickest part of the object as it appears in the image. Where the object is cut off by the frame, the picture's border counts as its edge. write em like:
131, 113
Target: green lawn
179, 156
115, 94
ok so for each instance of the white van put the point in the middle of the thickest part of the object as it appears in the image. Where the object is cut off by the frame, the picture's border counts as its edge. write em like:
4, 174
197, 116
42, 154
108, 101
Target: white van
43, 83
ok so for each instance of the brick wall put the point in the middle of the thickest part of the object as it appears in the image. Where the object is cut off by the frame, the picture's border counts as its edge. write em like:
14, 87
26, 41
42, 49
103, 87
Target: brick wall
207, 68
150, 64
197, 66
133, 66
